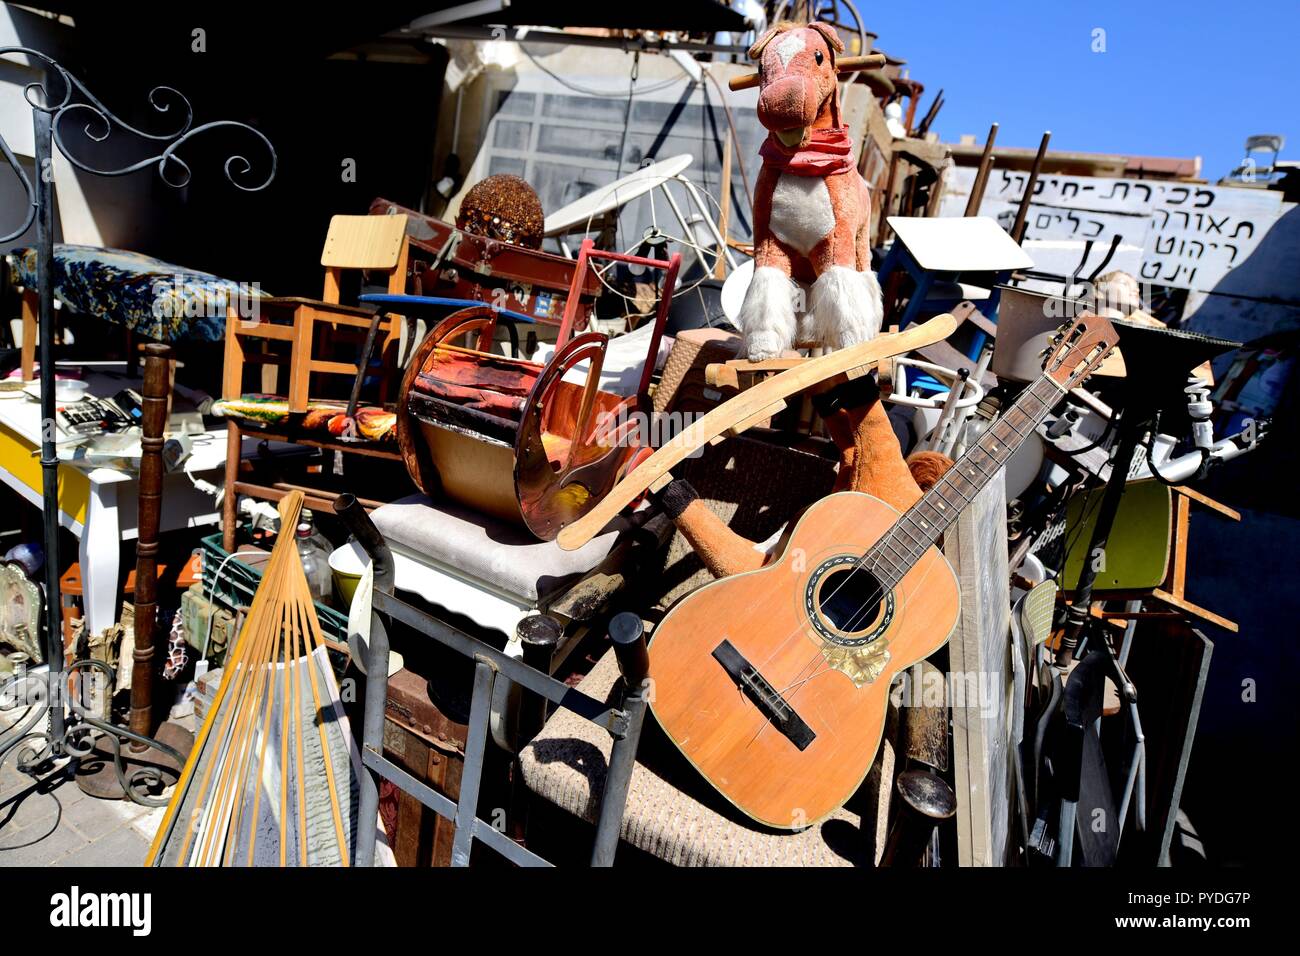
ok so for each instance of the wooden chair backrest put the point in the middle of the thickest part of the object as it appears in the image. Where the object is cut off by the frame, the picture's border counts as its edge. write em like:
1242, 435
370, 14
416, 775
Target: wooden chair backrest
365, 242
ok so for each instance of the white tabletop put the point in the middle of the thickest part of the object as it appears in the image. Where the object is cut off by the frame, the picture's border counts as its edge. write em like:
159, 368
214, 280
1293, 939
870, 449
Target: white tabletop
578, 213
959, 243
22, 415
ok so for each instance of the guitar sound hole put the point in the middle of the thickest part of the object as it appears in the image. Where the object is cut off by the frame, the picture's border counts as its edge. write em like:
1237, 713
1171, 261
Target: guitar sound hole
849, 598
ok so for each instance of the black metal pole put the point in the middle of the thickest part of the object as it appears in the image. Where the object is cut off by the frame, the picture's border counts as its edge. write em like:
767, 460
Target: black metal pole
41, 121
354, 516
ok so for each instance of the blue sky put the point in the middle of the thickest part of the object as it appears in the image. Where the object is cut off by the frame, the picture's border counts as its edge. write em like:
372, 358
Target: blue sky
1176, 79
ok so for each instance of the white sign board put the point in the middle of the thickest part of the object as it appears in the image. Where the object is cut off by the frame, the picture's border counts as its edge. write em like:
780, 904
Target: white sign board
1190, 235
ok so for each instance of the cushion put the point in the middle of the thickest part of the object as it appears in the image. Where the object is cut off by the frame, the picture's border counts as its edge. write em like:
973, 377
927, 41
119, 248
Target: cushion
675, 814
159, 300
504, 556
625, 358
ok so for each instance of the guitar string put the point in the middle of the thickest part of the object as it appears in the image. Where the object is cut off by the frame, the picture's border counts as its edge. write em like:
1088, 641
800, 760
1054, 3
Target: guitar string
818, 662
879, 593
820, 665
1033, 420
1018, 436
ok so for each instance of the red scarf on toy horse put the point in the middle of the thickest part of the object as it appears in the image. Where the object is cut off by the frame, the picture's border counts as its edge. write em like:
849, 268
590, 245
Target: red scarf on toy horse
829, 153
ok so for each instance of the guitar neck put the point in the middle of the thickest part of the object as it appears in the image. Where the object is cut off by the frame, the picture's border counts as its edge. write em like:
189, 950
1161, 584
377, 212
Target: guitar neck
901, 546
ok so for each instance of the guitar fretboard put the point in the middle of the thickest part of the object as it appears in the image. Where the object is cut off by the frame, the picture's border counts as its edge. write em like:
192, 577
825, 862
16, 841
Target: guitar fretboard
901, 546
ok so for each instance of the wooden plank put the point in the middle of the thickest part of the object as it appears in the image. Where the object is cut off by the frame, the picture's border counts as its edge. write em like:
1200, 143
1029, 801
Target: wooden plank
724, 206
1208, 502
232, 373
980, 677
745, 406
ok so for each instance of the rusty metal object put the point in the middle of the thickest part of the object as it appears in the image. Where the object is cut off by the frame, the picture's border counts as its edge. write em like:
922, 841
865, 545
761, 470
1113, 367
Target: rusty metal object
925, 719
925, 801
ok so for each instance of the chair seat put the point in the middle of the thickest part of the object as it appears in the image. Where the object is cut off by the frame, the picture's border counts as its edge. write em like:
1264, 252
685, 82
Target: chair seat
156, 299
473, 564
675, 815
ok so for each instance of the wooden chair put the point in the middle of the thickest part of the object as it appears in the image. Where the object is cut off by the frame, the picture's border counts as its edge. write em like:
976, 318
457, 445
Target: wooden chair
1146, 555
375, 243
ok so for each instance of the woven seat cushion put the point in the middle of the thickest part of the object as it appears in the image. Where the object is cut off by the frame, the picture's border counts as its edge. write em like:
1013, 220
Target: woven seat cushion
485, 549
674, 814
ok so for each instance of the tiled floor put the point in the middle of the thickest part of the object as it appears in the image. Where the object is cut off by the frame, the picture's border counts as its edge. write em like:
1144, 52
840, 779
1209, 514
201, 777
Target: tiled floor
50, 822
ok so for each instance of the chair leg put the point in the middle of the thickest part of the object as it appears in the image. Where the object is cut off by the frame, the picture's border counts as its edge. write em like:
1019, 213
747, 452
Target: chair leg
232, 375
229, 514
300, 359
30, 308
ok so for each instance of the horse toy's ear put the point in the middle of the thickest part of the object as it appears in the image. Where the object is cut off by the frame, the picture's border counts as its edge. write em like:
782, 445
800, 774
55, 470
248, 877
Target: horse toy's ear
756, 50
830, 35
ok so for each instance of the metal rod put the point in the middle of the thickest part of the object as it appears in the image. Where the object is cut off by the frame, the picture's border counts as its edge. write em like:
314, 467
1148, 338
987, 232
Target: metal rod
472, 774
1077, 616
627, 631
1018, 229
707, 216
622, 761
982, 174
925, 801
41, 124
353, 514
540, 636
455, 31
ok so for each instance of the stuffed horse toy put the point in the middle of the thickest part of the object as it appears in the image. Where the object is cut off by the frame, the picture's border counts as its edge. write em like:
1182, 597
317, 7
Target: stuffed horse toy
812, 210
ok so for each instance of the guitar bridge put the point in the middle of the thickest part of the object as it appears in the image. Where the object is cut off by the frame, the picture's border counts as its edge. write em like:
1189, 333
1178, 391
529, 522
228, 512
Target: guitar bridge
764, 696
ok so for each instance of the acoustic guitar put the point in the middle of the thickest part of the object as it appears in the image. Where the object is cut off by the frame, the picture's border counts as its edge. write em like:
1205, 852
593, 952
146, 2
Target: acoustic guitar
774, 683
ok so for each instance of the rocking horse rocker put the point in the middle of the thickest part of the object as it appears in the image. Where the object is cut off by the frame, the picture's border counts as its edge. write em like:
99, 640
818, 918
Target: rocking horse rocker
812, 210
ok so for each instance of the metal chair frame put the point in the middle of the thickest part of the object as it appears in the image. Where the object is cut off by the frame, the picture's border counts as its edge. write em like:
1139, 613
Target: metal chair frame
623, 723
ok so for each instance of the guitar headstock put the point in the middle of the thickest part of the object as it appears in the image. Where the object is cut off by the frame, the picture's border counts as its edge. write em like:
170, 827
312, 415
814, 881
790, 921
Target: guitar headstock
1078, 348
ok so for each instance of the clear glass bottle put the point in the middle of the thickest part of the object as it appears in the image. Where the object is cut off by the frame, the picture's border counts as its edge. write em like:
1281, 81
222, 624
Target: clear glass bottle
315, 564
322, 542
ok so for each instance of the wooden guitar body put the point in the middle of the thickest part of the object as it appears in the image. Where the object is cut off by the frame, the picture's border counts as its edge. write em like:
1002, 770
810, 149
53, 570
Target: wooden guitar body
774, 683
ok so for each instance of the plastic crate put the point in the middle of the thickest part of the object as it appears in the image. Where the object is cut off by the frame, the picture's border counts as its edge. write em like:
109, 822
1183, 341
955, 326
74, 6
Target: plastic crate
238, 581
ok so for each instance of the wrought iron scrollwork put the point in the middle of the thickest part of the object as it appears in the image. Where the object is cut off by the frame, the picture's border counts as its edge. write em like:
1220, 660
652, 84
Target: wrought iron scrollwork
59, 101
36, 750
67, 100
